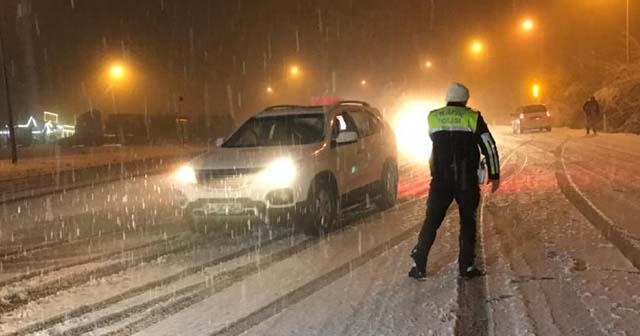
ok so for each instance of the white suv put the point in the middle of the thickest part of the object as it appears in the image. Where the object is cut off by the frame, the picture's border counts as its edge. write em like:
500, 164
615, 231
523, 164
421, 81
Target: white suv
295, 164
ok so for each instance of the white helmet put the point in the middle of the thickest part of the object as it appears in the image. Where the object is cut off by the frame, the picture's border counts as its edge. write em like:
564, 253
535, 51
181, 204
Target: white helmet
457, 93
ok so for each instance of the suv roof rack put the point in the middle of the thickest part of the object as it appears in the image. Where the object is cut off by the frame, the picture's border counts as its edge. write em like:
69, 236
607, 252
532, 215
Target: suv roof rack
353, 102
283, 107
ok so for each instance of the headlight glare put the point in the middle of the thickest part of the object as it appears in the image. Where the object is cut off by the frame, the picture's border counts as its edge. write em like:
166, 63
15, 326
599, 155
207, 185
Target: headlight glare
280, 173
186, 175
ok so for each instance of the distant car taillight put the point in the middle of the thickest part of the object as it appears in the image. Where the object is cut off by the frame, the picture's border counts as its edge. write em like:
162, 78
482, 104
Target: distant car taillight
521, 115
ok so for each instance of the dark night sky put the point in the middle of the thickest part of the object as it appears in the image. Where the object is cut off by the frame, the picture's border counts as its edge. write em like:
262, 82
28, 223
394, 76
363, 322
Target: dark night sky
201, 50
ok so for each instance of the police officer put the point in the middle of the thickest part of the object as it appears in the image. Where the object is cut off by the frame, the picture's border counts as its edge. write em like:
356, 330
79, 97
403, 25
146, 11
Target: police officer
456, 132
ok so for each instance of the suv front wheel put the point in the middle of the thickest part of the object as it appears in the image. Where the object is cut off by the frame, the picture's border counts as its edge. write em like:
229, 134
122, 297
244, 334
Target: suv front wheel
323, 209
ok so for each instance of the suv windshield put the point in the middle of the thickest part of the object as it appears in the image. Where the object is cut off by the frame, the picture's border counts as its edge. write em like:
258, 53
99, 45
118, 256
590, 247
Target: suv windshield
283, 130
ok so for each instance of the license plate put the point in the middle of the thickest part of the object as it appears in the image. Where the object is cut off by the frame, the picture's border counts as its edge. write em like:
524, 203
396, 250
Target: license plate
223, 208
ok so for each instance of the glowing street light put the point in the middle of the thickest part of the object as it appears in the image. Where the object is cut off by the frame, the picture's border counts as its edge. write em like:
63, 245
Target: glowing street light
294, 71
269, 90
535, 91
117, 72
477, 47
527, 25
428, 64
363, 82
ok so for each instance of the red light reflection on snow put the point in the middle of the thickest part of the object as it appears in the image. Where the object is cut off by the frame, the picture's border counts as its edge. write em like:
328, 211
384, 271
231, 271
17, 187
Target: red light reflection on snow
414, 184
532, 183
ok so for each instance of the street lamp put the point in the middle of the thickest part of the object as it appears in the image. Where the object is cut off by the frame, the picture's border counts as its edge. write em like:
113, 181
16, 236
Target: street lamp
294, 71
477, 47
428, 64
117, 72
363, 82
535, 91
269, 90
527, 25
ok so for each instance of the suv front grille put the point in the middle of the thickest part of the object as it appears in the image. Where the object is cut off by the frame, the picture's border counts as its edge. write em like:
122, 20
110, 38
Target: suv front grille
224, 176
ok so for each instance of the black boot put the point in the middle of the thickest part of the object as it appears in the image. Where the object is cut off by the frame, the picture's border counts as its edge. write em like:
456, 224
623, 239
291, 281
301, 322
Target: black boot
418, 275
417, 272
471, 272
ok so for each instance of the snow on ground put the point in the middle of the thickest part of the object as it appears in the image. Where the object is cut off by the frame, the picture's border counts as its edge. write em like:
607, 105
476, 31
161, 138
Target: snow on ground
571, 278
101, 289
140, 206
257, 291
379, 299
550, 270
92, 157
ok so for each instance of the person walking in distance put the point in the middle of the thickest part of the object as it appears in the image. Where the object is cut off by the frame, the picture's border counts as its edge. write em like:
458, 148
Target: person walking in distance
457, 132
592, 113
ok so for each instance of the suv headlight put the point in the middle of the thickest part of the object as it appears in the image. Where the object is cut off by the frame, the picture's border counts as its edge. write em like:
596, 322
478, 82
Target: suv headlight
186, 175
280, 173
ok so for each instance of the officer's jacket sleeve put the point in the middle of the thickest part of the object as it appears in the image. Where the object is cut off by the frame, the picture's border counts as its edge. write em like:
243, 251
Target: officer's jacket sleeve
488, 147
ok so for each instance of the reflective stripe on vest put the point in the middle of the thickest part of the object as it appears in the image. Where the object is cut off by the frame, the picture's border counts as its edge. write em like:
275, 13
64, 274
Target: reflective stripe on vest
453, 118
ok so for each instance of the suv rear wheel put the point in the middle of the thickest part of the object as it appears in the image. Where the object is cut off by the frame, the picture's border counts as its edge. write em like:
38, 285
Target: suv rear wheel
388, 186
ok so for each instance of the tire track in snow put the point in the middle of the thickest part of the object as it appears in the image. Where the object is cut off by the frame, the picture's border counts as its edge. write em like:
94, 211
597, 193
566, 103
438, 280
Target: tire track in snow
306, 290
231, 277
205, 290
629, 247
97, 258
25, 248
474, 317
18, 299
133, 292
507, 243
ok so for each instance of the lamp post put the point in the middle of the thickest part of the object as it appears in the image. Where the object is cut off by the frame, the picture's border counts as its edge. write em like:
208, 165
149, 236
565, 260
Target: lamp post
627, 37
12, 131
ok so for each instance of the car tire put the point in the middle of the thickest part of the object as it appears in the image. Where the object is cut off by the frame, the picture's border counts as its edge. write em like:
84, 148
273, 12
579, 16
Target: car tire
195, 226
282, 218
200, 226
388, 196
322, 209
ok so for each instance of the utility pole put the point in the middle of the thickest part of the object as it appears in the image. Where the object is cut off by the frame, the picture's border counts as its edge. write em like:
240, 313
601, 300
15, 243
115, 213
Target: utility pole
12, 131
628, 51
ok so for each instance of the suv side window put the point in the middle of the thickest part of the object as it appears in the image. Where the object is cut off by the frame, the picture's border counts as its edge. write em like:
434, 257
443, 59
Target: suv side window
366, 123
342, 123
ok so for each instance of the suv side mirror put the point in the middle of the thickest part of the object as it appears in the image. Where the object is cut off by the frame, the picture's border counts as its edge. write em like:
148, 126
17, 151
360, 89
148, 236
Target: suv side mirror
346, 137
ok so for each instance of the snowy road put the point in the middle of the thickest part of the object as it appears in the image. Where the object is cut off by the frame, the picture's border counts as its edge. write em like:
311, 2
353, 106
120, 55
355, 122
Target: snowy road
560, 242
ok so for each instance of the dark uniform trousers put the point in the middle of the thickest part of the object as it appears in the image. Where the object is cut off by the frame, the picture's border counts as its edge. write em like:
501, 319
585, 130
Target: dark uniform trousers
443, 191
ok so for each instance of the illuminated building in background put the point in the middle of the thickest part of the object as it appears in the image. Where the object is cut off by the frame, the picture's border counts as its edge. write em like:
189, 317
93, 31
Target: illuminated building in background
48, 130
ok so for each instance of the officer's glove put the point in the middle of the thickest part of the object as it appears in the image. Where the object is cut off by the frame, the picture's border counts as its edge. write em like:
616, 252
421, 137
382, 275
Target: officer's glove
495, 185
